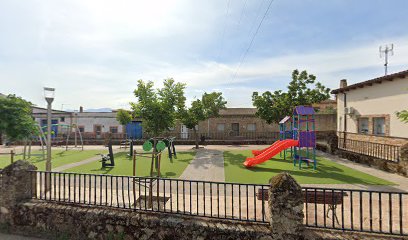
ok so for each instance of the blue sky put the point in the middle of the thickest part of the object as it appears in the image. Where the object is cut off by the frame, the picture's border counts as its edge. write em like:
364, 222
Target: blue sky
93, 52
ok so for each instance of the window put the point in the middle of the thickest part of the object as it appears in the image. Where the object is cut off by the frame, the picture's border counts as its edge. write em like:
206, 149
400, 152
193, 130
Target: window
98, 130
363, 125
220, 127
81, 129
62, 119
251, 127
379, 126
113, 129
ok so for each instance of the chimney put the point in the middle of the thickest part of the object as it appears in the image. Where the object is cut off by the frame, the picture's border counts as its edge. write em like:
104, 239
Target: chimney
81, 109
343, 83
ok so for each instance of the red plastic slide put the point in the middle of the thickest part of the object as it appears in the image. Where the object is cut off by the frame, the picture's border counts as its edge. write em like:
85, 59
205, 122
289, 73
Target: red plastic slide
270, 152
257, 152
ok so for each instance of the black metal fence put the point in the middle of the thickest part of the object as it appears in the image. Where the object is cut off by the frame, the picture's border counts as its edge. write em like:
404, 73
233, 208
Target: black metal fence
378, 150
199, 198
355, 210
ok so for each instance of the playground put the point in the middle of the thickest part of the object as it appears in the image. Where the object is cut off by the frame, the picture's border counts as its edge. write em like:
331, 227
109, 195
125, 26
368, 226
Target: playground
294, 153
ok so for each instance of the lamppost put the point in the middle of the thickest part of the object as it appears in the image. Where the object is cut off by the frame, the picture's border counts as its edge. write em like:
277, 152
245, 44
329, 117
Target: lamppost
49, 97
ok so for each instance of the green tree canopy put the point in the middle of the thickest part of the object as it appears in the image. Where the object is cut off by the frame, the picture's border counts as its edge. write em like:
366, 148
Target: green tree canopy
158, 108
16, 121
201, 109
403, 116
302, 90
123, 116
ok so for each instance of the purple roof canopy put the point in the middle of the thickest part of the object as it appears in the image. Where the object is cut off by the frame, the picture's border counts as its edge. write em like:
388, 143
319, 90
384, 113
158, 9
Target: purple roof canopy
285, 119
304, 110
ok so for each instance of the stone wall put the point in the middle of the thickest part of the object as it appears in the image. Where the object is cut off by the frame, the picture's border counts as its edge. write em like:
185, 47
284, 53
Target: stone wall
401, 167
80, 222
324, 123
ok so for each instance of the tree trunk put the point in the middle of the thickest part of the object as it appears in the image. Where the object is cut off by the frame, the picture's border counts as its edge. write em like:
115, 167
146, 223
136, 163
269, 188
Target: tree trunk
196, 138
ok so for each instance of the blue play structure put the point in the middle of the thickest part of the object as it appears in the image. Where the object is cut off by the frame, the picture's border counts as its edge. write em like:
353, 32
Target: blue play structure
304, 130
54, 126
134, 130
285, 132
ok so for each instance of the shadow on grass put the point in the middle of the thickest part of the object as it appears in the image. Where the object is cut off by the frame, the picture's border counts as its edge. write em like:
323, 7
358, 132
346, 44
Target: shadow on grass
323, 171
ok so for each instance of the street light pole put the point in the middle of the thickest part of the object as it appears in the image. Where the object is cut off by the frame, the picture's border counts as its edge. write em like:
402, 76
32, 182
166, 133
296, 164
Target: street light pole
49, 97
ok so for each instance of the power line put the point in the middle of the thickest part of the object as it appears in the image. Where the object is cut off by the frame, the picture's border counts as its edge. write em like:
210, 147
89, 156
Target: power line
252, 40
242, 13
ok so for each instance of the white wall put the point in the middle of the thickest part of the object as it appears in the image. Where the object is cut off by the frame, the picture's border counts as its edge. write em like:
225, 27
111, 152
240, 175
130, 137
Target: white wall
388, 97
107, 120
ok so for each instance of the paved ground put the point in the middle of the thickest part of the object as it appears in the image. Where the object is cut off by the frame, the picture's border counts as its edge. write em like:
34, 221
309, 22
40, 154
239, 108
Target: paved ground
400, 181
207, 165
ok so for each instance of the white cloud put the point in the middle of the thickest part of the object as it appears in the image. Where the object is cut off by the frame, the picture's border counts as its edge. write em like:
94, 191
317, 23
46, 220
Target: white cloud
94, 51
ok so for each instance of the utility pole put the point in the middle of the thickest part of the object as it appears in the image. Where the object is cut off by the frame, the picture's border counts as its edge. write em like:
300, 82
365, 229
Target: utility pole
384, 51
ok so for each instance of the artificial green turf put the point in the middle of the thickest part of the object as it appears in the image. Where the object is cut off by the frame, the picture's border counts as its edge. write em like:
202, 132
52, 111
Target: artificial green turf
124, 165
327, 172
59, 157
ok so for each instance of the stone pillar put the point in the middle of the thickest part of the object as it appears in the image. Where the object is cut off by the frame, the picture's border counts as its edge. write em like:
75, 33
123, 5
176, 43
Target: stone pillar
404, 159
286, 208
17, 185
333, 142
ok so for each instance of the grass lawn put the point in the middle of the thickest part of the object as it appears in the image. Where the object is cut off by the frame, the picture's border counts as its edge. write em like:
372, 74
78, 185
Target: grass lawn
124, 165
327, 172
59, 157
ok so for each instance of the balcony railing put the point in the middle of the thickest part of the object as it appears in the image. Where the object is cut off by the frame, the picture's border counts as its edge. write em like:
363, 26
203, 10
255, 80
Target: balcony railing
378, 150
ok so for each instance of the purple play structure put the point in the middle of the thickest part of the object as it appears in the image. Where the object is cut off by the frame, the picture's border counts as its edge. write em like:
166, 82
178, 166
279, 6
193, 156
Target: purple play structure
303, 122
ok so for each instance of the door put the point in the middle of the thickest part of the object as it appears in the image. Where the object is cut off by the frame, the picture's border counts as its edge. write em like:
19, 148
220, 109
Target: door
184, 132
235, 129
134, 130
54, 127
98, 131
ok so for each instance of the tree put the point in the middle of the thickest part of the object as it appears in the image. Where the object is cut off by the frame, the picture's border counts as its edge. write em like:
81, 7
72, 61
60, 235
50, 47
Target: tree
124, 117
403, 116
302, 90
159, 108
16, 121
201, 109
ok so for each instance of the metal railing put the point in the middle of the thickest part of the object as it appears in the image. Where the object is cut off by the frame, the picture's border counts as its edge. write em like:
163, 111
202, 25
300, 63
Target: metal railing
378, 150
357, 210
227, 135
187, 197
343, 209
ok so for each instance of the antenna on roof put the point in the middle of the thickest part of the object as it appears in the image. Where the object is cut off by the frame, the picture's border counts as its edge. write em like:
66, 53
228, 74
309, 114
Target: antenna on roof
384, 51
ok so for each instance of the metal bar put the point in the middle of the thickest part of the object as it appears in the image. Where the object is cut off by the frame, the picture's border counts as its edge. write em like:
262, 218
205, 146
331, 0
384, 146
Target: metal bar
361, 210
211, 200
218, 200
306, 204
371, 210
342, 210
380, 211
390, 211
400, 214
191, 209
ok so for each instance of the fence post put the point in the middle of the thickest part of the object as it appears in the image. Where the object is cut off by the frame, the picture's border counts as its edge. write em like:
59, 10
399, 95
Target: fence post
11, 156
403, 159
286, 208
18, 184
